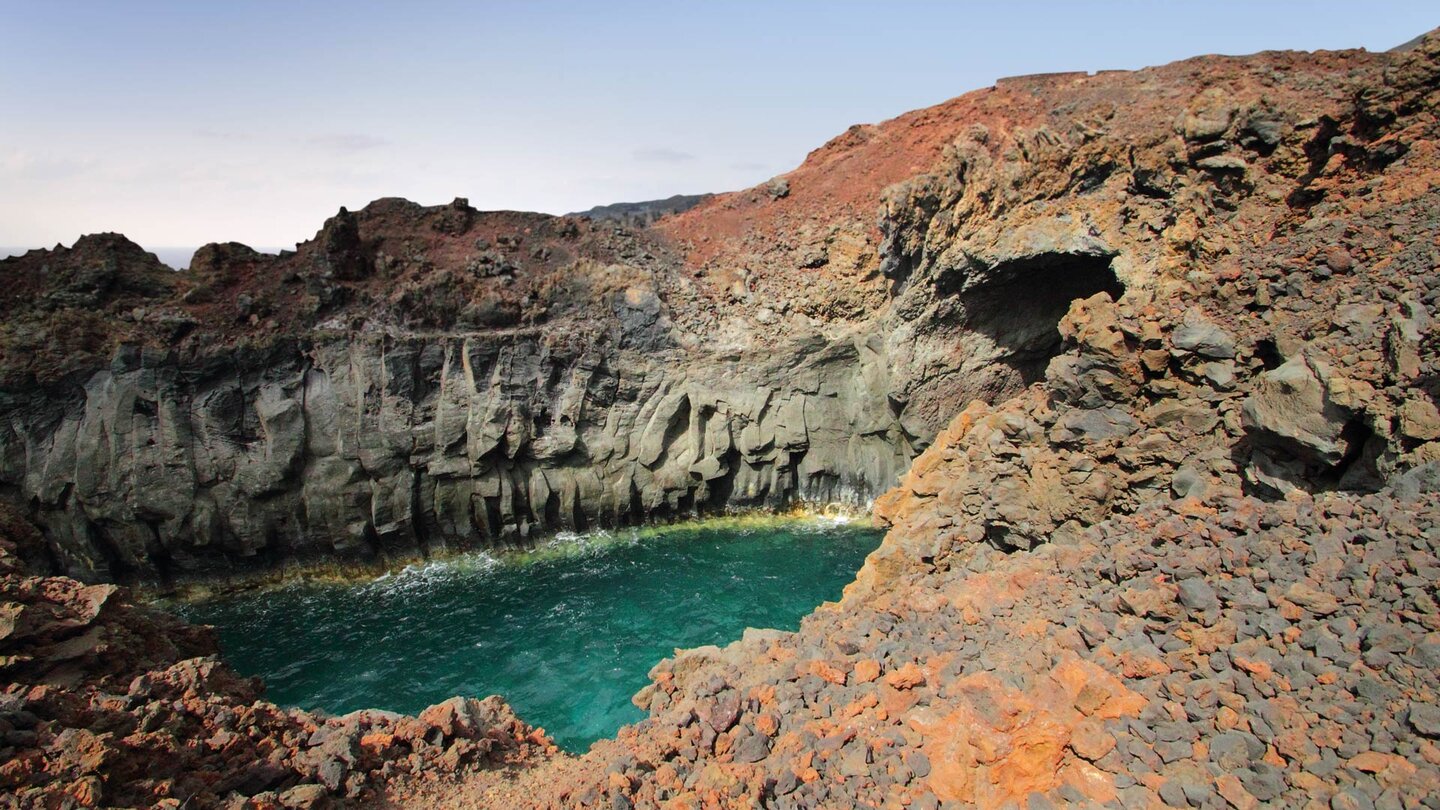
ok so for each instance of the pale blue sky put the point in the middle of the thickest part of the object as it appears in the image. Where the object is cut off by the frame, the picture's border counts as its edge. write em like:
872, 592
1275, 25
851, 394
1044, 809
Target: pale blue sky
180, 123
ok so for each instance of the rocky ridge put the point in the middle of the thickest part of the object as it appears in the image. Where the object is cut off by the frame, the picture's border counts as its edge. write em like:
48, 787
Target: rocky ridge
1179, 550
640, 214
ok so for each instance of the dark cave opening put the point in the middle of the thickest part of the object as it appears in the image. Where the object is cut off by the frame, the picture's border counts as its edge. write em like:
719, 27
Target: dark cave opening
1021, 307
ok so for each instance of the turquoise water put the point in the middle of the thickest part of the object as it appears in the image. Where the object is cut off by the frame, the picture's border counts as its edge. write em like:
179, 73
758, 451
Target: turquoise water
565, 634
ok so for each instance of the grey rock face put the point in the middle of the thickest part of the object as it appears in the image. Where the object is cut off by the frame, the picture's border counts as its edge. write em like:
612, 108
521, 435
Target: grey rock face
358, 449
365, 439
1203, 337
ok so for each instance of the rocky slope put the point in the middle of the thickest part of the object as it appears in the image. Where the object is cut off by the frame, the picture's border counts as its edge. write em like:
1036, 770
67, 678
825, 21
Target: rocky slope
1195, 566
1174, 546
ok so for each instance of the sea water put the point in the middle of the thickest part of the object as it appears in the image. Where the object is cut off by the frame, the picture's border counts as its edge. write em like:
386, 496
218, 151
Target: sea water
565, 633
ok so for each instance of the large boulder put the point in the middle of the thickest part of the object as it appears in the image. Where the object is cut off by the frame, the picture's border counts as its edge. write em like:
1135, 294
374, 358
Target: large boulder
1304, 434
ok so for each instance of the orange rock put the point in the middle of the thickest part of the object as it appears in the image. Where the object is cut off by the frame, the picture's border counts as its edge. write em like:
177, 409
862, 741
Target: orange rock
866, 671
377, 741
763, 694
829, 672
906, 677
1261, 670
1390, 768
1328, 735
1230, 789
896, 702
1092, 782
999, 744
1038, 627
1134, 665
1091, 698
1032, 762
87, 792
1090, 740
1226, 718
767, 724
856, 707
1094, 691
667, 777
1307, 782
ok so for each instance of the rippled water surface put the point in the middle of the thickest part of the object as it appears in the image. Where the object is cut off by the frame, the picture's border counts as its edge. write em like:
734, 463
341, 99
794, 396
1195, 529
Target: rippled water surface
566, 634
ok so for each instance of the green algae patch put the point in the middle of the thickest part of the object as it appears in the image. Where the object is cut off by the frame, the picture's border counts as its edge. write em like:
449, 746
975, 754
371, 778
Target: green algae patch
565, 632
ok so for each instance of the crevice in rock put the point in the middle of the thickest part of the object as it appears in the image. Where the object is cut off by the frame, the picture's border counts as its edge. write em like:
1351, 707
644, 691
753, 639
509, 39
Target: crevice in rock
162, 566
1268, 354
120, 571
417, 515
1356, 471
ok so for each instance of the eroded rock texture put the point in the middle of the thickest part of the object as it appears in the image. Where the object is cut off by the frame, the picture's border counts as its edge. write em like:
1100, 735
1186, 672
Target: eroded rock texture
400, 445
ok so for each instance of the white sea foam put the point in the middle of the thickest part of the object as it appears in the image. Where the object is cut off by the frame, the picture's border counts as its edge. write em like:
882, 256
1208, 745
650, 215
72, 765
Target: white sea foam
419, 576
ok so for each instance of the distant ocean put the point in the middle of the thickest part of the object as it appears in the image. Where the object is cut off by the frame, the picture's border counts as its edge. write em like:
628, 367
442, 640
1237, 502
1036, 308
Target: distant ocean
176, 257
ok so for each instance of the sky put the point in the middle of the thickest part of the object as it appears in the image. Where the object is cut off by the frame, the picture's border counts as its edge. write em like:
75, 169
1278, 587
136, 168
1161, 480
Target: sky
181, 123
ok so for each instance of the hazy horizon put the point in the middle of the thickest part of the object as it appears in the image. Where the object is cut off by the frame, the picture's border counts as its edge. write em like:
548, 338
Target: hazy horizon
180, 124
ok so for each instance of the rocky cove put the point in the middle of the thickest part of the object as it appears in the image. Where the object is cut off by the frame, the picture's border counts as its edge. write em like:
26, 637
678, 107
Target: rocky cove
1139, 368
564, 633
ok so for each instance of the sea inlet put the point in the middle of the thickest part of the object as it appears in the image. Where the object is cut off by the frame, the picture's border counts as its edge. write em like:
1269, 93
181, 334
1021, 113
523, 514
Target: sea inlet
565, 633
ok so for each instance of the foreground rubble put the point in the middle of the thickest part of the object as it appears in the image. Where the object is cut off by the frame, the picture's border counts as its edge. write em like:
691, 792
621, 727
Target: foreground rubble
109, 704
1224, 653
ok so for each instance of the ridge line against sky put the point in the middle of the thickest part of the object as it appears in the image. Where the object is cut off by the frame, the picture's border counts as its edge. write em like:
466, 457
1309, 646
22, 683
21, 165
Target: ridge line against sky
184, 123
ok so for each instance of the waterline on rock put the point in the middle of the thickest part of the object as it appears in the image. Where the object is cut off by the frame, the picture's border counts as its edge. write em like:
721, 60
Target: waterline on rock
348, 573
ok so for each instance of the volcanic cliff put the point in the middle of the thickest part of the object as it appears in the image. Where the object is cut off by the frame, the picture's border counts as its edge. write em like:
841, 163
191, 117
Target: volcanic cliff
1154, 352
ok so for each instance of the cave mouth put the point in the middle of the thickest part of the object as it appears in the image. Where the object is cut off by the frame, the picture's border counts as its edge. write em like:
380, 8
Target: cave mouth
1019, 304
565, 634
